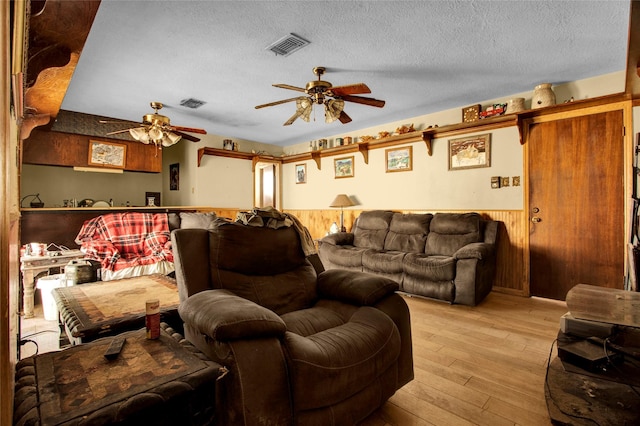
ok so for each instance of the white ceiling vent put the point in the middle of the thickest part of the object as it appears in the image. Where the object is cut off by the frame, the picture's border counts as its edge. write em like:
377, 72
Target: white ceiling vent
287, 45
192, 103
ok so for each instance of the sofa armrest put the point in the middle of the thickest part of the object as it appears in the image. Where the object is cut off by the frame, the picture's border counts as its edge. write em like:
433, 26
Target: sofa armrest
338, 239
223, 316
358, 288
475, 251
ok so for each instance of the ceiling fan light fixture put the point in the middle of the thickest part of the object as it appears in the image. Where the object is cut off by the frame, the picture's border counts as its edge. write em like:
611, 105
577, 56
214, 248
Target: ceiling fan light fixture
332, 110
139, 134
170, 139
155, 133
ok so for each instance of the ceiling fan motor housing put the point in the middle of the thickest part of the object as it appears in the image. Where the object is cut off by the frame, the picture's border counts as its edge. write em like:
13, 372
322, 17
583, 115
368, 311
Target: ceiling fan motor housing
157, 119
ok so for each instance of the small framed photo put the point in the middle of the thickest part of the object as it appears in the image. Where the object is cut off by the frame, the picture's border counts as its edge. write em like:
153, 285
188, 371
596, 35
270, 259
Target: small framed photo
343, 167
399, 159
301, 173
107, 154
470, 152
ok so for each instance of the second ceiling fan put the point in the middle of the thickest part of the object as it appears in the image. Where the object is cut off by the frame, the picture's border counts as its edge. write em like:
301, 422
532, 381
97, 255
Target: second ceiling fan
157, 128
321, 92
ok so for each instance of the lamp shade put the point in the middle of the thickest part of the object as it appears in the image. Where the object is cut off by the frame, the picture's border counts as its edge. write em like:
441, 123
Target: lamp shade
341, 200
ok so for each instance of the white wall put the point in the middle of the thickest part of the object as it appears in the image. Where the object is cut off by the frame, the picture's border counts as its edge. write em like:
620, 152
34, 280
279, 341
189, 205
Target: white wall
228, 183
430, 185
219, 181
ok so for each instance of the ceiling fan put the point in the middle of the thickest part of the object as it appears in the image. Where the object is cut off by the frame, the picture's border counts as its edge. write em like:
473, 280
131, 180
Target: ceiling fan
321, 92
156, 128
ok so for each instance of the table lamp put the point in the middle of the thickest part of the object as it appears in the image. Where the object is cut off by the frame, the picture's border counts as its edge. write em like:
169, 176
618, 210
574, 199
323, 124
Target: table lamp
342, 200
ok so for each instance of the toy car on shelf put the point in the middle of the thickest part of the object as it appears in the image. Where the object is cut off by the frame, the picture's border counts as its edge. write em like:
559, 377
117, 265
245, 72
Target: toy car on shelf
495, 109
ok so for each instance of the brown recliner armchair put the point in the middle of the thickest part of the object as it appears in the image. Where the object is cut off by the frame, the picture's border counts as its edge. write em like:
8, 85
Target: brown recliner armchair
303, 347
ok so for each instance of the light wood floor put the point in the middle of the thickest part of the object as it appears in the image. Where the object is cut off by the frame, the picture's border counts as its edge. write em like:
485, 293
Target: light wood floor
482, 365
473, 366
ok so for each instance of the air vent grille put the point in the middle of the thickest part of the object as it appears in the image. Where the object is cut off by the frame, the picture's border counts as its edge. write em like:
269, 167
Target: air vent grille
192, 103
287, 45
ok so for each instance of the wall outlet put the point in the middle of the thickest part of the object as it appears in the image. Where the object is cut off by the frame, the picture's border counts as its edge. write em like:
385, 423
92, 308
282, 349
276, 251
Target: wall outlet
505, 181
515, 180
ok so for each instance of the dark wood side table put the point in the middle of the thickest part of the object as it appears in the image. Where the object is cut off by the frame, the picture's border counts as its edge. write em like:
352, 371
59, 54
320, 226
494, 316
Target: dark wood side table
160, 382
607, 396
104, 308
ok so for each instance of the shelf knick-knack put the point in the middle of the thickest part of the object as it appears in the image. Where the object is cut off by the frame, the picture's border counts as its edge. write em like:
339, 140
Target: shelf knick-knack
543, 96
515, 105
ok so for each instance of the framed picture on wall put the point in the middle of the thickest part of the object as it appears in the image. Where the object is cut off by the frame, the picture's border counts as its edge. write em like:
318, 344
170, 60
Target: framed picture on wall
174, 176
399, 159
470, 152
108, 154
343, 167
301, 173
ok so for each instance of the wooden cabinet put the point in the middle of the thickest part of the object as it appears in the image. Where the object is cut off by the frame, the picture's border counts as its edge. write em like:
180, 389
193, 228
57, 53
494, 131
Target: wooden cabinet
65, 149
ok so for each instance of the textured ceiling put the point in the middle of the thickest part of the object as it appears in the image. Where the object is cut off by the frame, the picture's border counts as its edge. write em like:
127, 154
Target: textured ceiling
418, 56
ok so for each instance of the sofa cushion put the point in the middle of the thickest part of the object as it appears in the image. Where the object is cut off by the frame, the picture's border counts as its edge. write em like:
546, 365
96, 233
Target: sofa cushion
432, 268
371, 229
450, 231
174, 221
310, 321
408, 232
189, 220
385, 263
330, 366
341, 257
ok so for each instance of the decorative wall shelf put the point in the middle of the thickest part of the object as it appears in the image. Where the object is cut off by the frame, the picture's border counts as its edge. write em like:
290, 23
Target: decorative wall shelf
427, 135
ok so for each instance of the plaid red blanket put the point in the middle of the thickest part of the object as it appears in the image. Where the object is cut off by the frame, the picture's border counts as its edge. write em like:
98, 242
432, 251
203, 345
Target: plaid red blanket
122, 240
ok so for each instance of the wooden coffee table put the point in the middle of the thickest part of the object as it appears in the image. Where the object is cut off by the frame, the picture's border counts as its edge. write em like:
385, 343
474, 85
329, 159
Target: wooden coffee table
161, 382
104, 308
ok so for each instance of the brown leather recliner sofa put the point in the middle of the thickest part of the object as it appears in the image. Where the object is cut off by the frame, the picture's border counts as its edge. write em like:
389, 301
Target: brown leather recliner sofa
303, 346
446, 256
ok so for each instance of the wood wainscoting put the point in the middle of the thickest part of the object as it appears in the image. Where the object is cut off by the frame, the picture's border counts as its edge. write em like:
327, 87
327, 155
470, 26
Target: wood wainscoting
511, 271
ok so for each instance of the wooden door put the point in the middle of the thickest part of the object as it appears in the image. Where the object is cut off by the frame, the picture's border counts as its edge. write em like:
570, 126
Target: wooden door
576, 203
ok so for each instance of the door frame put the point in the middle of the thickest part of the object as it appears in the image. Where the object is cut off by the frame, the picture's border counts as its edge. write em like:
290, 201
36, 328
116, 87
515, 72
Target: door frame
627, 121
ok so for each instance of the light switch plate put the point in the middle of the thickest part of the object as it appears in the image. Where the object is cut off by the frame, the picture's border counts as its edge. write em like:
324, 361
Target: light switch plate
505, 181
515, 180
495, 182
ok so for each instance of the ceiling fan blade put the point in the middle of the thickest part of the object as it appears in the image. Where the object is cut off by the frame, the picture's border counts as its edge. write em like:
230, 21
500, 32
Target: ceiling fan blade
117, 121
189, 129
350, 89
186, 136
344, 118
116, 132
362, 100
292, 118
279, 102
303, 109
288, 86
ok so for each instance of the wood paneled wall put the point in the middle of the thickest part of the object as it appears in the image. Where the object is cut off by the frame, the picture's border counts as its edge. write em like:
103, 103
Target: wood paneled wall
511, 272
66, 149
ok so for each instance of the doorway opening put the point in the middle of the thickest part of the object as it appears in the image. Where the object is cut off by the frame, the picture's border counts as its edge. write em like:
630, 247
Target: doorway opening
266, 189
